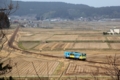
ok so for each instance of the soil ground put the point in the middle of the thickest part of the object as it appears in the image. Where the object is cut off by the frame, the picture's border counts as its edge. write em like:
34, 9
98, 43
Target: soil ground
55, 42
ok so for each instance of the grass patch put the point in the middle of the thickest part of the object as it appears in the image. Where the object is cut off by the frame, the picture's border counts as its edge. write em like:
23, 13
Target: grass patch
21, 46
26, 45
58, 69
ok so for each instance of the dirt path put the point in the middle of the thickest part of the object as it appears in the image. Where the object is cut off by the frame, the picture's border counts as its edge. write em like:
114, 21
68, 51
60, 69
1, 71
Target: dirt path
91, 58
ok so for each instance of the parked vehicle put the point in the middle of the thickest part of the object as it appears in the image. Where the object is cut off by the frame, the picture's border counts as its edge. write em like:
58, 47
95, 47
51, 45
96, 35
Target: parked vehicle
75, 55
112, 32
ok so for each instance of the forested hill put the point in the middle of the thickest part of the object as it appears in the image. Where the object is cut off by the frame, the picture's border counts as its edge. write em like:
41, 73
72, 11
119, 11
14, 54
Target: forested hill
45, 10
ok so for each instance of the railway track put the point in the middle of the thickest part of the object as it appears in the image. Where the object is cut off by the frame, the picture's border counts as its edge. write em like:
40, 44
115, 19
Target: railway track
10, 44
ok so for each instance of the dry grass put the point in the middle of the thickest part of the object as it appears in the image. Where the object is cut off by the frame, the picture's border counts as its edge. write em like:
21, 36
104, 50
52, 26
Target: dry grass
115, 45
36, 37
63, 38
113, 38
97, 38
68, 32
91, 45
24, 67
28, 45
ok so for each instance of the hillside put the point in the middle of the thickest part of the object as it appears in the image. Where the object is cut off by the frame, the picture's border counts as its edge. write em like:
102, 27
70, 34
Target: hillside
45, 10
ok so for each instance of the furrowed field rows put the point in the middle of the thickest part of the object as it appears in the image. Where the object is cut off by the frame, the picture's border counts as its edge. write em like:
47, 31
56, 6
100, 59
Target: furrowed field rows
23, 68
54, 46
45, 46
70, 69
113, 38
91, 46
60, 46
91, 38
115, 45
87, 69
71, 45
25, 34
63, 38
37, 37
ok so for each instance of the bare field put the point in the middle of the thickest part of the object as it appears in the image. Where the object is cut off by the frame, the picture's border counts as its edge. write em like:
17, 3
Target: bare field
36, 37
78, 69
30, 67
83, 37
71, 45
114, 38
115, 45
54, 46
75, 69
28, 45
45, 46
63, 38
91, 45
82, 32
58, 46
97, 38
26, 34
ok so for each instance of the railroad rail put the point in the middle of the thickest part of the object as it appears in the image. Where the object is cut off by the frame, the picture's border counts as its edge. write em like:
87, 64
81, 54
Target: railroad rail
10, 44
11, 40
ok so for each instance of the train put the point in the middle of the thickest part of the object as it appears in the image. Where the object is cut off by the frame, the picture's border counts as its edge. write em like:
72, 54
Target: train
75, 55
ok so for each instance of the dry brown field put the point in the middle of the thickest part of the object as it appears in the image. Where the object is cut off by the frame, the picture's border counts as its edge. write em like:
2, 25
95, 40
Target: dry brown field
76, 36
54, 46
29, 45
96, 38
45, 46
91, 45
28, 67
114, 38
63, 38
36, 37
26, 34
73, 38
115, 45
86, 69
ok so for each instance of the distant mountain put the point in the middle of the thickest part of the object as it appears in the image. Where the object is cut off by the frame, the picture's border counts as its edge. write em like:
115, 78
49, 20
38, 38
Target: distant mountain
45, 10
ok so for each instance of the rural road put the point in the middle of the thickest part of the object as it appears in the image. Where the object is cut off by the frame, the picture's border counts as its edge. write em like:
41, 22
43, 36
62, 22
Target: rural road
11, 41
10, 44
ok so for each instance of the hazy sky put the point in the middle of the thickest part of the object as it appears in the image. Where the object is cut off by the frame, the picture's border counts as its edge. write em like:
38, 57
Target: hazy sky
95, 3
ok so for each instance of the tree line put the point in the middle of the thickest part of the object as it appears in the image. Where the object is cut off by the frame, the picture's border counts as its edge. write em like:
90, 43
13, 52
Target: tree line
47, 10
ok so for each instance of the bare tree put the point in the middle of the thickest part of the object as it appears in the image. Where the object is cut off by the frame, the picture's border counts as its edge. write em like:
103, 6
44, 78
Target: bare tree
6, 8
111, 69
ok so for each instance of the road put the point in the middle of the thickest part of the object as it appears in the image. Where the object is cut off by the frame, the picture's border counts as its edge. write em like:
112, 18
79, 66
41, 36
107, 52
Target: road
11, 41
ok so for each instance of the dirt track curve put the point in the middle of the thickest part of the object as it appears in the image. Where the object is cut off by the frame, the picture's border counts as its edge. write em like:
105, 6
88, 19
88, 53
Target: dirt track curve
11, 40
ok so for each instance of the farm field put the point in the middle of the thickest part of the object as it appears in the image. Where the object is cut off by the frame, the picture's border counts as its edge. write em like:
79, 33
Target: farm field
42, 50
36, 37
65, 45
28, 45
114, 38
96, 38
91, 46
63, 38
54, 46
75, 69
25, 34
115, 45
23, 67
